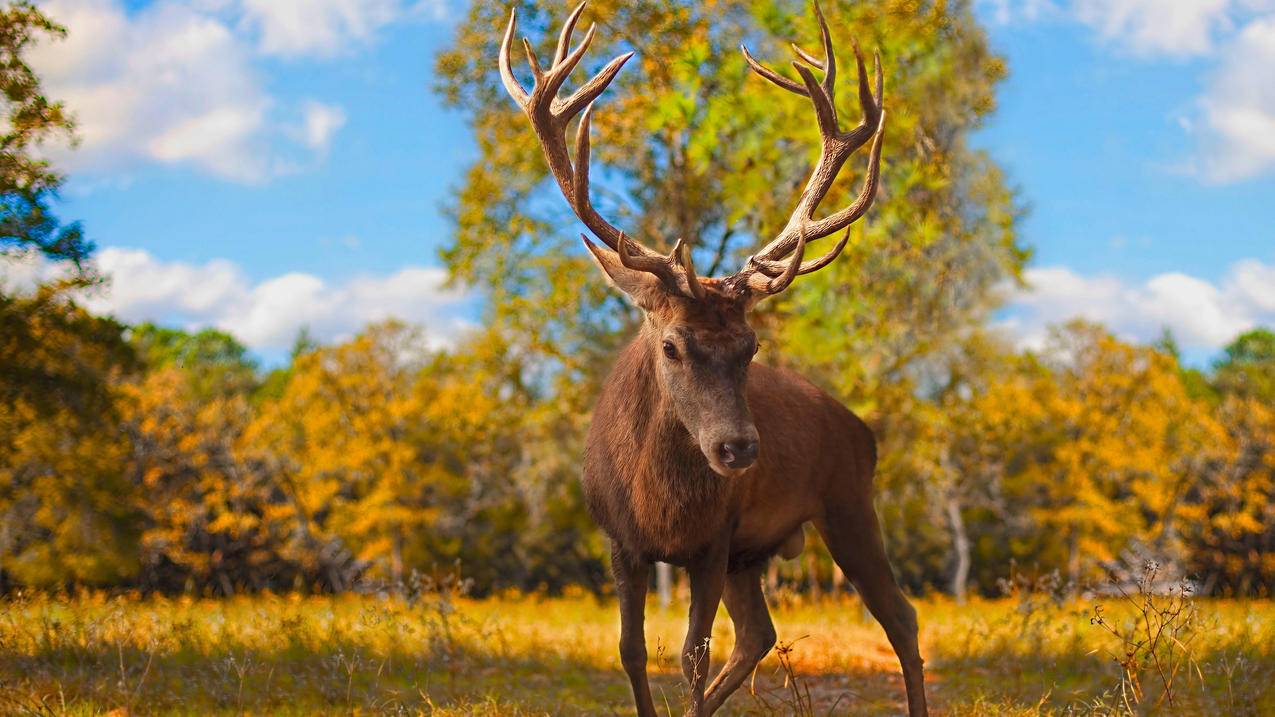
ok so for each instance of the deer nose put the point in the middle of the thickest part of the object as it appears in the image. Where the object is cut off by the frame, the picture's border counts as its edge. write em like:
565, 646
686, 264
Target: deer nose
737, 454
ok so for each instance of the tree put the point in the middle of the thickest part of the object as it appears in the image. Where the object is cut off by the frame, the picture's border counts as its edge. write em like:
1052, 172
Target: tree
216, 364
1248, 368
27, 182
342, 437
67, 513
1232, 510
1094, 446
687, 145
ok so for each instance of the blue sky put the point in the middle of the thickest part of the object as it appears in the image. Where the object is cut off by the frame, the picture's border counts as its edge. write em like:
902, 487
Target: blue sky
262, 165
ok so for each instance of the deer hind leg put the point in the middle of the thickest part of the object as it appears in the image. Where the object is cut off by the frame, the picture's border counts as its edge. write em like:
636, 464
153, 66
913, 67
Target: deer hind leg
754, 634
630, 586
853, 536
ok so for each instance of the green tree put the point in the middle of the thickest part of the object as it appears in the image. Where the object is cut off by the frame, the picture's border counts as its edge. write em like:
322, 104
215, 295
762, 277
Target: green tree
27, 182
688, 144
214, 361
1248, 368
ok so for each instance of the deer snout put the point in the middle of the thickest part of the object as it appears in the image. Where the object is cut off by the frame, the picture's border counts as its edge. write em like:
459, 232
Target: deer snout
737, 453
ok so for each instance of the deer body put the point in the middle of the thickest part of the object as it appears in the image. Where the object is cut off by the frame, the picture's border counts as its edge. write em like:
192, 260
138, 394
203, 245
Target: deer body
698, 456
650, 488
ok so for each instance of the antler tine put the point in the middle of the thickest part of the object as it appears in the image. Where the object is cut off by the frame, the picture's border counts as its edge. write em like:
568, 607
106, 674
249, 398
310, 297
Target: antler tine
512, 85
561, 70
829, 65
682, 251
592, 89
760, 283
777, 268
531, 60
830, 72
675, 270
825, 107
580, 175
564, 38
772, 76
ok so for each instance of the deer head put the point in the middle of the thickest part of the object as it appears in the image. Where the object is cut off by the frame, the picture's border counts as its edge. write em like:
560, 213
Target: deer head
696, 327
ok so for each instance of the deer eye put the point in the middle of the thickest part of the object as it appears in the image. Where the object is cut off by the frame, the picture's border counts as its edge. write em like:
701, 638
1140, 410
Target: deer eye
670, 350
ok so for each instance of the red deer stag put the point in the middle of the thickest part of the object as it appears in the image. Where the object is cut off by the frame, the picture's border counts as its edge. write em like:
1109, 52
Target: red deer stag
697, 455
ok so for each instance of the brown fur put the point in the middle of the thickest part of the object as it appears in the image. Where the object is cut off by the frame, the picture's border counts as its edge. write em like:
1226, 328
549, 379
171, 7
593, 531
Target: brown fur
652, 489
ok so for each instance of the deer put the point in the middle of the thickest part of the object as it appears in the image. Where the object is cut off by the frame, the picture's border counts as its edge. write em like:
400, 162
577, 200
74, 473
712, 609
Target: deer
697, 455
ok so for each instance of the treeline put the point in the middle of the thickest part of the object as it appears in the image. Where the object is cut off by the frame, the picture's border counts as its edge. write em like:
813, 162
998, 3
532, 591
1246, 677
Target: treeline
146, 457
163, 460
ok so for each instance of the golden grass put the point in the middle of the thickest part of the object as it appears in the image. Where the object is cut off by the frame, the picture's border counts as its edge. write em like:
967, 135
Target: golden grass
521, 655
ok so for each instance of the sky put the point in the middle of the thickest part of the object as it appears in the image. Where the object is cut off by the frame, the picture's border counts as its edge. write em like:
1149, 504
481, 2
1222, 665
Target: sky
261, 166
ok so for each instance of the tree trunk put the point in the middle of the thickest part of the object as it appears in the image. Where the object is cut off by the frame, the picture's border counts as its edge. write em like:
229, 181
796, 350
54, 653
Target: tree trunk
1073, 561
812, 575
961, 548
396, 560
664, 583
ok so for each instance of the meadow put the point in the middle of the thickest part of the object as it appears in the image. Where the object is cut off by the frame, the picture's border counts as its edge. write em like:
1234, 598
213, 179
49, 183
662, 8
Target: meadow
438, 653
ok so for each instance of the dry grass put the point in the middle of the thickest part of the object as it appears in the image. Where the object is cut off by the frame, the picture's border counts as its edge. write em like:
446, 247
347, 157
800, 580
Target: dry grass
526, 656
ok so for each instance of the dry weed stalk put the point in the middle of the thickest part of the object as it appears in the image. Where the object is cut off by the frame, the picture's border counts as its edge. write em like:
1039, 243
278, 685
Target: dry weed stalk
1157, 641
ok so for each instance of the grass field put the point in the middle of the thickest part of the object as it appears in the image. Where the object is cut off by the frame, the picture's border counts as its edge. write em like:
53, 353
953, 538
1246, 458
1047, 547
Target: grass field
440, 654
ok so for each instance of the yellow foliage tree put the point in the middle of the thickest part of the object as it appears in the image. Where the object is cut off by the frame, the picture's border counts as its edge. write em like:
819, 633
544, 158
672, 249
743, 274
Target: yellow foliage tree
1096, 449
349, 436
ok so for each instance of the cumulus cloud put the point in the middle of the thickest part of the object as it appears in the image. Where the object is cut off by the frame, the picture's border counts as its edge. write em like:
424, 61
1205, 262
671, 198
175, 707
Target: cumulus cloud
1004, 12
170, 84
1233, 120
1174, 27
1238, 108
265, 315
1202, 315
177, 82
317, 27
1179, 28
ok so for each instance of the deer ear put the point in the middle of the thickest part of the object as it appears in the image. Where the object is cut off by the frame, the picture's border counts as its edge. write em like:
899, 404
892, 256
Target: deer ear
642, 287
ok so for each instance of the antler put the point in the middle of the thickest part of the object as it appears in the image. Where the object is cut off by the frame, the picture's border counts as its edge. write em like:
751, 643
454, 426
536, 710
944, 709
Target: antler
550, 116
764, 272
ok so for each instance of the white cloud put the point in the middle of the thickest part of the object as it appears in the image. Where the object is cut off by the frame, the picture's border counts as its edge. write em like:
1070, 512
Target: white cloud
265, 315
320, 123
1201, 315
1238, 108
1233, 120
1004, 12
317, 27
1173, 27
170, 84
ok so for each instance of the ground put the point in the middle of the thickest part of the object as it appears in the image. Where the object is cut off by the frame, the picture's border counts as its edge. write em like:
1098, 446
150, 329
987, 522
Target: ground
440, 654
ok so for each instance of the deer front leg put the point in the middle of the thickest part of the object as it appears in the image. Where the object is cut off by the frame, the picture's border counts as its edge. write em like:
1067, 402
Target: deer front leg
631, 577
708, 578
754, 634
